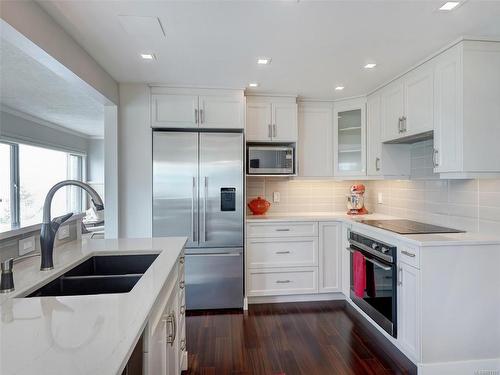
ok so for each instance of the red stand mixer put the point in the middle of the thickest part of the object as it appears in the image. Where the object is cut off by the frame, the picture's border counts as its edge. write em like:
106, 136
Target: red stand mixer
356, 200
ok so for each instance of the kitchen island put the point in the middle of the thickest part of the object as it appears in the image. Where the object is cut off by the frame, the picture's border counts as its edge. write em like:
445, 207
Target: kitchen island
91, 334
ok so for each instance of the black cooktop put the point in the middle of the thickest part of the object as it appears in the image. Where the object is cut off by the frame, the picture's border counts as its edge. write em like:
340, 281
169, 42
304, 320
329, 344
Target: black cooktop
409, 227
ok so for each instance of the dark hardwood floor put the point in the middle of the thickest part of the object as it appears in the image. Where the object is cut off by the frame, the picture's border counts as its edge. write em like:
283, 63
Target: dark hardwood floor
291, 338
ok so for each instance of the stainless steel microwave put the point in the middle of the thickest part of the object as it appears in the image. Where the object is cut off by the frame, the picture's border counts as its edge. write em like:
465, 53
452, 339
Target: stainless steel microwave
270, 159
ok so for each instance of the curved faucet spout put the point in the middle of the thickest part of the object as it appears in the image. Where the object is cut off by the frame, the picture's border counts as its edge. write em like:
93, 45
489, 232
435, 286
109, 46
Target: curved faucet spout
50, 227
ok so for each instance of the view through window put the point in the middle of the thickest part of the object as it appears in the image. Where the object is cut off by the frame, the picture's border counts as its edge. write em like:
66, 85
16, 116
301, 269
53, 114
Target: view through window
38, 169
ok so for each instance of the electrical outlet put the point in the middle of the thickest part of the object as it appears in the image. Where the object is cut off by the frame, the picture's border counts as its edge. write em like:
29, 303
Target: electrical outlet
380, 198
276, 197
26, 245
63, 232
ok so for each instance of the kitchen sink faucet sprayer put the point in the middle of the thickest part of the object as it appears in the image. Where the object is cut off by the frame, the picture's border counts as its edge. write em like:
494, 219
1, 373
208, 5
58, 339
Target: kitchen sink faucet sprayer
50, 227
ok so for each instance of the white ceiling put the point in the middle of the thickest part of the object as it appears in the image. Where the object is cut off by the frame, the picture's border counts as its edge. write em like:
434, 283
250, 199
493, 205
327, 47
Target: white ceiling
29, 87
314, 45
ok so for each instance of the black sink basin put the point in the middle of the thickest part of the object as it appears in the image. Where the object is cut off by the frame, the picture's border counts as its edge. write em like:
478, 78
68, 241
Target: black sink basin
113, 265
99, 275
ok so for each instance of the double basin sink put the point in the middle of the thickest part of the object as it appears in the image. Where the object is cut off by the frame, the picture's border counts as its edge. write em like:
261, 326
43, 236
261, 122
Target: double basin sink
101, 274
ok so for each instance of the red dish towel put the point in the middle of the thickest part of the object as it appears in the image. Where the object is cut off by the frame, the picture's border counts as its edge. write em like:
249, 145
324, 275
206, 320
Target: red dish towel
359, 268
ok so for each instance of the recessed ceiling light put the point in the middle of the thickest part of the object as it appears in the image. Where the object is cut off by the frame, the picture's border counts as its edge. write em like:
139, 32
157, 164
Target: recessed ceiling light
339, 88
449, 5
370, 66
264, 60
253, 84
147, 56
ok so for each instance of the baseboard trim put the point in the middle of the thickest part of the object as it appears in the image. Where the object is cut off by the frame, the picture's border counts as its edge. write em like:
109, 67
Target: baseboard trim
296, 298
479, 367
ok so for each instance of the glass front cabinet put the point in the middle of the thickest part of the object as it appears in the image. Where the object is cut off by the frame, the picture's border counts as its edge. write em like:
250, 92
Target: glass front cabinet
349, 119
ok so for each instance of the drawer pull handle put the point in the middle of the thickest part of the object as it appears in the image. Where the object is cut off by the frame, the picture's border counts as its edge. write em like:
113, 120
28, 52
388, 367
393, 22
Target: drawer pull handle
411, 255
283, 230
283, 252
183, 310
182, 284
283, 281
183, 345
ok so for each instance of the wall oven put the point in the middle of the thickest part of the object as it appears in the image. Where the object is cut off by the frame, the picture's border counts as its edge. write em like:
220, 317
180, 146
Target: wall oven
270, 159
374, 279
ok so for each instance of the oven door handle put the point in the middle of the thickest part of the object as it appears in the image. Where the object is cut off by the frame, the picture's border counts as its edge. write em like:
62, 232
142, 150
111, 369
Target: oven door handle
378, 264
369, 250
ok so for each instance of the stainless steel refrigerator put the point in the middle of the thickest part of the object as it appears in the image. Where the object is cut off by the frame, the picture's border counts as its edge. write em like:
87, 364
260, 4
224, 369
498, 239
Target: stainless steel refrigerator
198, 193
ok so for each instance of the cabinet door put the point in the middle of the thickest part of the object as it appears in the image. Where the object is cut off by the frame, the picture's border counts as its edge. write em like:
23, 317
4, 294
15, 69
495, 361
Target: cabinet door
221, 112
259, 122
315, 149
373, 135
392, 110
284, 122
329, 257
349, 124
157, 356
408, 327
174, 111
447, 121
419, 100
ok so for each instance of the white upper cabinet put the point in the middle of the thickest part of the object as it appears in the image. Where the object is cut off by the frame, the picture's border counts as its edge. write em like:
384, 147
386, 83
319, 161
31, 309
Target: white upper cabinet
174, 111
407, 104
315, 149
392, 107
387, 160
419, 101
271, 119
373, 135
259, 122
447, 130
203, 108
467, 110
221, 112
284, 122
349, 145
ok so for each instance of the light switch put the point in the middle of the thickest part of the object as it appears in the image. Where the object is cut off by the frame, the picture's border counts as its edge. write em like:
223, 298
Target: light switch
276, 197
63, 232
26, 245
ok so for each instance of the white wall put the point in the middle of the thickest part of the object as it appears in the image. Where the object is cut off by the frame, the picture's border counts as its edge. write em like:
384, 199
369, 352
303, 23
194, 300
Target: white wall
135, 163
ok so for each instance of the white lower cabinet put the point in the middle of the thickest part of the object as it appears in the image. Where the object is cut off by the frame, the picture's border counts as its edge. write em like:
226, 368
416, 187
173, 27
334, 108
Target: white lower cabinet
292, 258
408, 307
329, 257
282, 281
165, 347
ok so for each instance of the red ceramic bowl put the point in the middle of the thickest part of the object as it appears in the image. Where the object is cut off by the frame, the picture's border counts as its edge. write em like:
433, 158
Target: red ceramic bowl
259, 206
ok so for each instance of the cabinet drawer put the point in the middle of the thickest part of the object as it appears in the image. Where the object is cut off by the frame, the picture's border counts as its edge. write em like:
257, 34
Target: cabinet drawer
282, 252
282, 281
409, 255
283, 229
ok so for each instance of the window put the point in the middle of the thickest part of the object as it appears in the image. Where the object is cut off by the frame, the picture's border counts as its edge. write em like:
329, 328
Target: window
29, 174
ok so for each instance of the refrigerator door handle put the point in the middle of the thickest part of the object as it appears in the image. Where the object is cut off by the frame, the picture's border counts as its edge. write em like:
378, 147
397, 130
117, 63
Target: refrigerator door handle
193, 227
205, 197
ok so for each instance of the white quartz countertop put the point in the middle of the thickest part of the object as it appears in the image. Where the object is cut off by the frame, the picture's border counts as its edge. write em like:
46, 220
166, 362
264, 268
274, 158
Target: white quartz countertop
93, 334
423, 240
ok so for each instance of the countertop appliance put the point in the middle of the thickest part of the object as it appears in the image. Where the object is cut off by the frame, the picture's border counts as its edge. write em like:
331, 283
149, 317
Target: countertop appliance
356, 200
198, 193
378, 297
270, 159
409, 227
